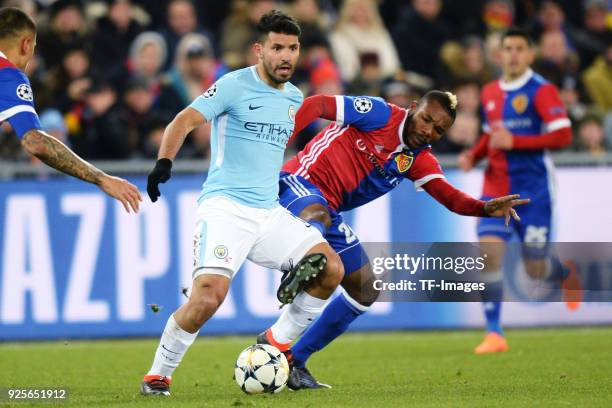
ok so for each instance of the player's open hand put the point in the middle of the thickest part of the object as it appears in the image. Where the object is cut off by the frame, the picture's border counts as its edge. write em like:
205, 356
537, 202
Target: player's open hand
504, 207
123, 191
501, 139
465, 160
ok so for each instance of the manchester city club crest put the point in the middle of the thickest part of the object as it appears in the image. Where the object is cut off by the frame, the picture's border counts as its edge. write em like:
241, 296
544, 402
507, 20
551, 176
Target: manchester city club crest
292, 113
403, 162
221, 251
520, 102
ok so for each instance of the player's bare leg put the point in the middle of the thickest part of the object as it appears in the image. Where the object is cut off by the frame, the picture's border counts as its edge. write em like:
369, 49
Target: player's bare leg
565, 273
207, 294
492, 275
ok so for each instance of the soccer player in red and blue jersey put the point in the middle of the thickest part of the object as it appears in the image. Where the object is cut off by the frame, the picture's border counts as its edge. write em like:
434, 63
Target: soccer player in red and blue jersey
523, 118
17, 42
366, 152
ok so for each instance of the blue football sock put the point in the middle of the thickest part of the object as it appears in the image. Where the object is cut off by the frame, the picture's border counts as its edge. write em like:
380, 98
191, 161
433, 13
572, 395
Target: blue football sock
334, 321
491, 301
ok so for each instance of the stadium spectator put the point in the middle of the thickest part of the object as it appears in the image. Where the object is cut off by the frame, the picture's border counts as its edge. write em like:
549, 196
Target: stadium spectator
182, 20
492, 51
570, 92
397, 91
468, 95
147, 55
119, 28
70, 80
67, 28
591, 135
360, 31
195, 68
419, 35
145, 107
598, 79
464, 60
103, 133
556, 61
591, 39
240, 29
370, 78
551, 17
462, 135
313, 21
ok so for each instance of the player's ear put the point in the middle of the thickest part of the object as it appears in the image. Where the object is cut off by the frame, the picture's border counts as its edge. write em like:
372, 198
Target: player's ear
413, 105
26, 44
532, 55
258, 49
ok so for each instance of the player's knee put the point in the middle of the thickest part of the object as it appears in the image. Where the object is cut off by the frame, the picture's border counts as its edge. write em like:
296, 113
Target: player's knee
203, 308
316, 212
333, 272
536, 269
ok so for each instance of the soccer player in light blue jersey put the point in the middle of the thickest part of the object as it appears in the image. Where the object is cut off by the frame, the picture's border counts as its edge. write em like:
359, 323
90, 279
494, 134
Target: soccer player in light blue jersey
252, 111
17, 43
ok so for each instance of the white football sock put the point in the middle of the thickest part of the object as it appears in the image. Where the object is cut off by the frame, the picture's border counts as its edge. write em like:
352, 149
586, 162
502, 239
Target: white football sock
296, 317
172, 347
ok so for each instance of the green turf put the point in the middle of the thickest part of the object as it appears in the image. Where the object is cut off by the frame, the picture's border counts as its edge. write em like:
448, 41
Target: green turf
544, 368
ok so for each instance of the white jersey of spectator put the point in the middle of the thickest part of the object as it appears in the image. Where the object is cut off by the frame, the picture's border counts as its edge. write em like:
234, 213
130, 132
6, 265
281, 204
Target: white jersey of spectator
251, 124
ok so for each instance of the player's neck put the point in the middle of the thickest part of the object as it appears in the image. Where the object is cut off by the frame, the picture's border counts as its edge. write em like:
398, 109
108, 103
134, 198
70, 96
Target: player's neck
263, 75
509, 77
10, 55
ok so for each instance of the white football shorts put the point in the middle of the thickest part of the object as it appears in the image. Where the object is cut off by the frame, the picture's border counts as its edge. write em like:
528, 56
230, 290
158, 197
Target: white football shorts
228, 232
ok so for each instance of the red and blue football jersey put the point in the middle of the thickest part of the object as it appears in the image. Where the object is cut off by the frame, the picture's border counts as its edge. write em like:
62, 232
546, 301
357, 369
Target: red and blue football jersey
16, 98
527, 107
361, 156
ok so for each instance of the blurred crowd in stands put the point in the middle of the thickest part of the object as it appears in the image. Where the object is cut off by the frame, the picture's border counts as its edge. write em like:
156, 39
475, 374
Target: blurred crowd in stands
109, 75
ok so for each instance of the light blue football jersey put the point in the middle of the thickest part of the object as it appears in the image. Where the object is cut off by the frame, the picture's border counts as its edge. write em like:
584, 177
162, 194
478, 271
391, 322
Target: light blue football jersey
251, 124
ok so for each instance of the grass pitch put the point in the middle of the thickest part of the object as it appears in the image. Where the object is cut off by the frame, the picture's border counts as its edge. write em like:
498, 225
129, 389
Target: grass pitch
544, 368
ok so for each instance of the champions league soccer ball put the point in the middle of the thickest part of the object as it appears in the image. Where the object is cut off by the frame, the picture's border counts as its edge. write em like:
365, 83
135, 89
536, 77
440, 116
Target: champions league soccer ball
261, 368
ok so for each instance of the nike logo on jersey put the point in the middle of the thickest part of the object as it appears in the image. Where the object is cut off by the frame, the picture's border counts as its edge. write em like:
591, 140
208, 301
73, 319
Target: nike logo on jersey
251, 107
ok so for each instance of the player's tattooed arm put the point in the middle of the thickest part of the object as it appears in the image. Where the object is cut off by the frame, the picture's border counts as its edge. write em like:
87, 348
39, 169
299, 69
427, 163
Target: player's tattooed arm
57, 155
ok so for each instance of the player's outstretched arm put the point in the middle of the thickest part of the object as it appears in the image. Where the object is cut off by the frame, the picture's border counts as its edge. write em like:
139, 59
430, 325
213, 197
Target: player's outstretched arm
504, 207
174, 137
461, 203
57, 155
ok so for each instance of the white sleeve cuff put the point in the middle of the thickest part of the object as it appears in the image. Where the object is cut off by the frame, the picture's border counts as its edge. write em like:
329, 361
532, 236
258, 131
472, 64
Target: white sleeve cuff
418, 184
340, 109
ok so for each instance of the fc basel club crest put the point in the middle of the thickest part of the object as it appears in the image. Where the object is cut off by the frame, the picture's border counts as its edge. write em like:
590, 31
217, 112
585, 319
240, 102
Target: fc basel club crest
292, 113
403, 162
520, 102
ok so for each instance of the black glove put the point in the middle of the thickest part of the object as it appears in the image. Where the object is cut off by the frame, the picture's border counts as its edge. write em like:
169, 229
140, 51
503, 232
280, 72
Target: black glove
159, 174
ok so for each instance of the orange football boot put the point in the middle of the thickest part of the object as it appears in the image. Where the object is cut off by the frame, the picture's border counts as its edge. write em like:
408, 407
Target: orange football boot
492, 343
572, 288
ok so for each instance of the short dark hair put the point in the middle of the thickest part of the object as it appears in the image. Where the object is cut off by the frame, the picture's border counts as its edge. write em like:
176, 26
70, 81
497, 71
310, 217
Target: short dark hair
446, 100
278, 22
14, 22
517, 32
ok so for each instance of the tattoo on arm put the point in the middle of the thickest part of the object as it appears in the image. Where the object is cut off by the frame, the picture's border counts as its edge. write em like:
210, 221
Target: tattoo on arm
57, 155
